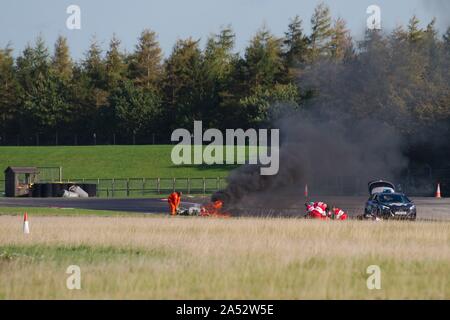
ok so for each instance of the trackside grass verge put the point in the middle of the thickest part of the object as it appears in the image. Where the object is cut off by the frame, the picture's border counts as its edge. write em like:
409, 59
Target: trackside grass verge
243, 258
69, 212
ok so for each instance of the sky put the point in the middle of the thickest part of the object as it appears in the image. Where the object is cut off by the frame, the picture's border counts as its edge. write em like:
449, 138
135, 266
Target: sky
21, 21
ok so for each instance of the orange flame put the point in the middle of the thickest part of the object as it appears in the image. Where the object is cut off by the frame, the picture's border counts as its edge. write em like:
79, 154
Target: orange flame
214, 209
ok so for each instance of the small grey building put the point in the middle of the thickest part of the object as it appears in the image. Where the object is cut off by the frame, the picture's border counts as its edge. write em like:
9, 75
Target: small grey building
18, 180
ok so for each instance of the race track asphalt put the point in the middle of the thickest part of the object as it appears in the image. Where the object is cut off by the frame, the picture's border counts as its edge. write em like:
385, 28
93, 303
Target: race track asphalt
427, 208
126, 205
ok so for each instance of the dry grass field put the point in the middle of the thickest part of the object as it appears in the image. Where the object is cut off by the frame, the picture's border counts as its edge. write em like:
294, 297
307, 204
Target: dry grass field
193, 258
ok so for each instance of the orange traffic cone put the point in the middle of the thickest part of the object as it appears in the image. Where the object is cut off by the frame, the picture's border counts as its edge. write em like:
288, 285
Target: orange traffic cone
26, 227
438, 191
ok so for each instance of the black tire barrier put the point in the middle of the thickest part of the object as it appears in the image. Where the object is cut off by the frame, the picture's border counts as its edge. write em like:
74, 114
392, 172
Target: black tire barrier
66, 186
36, 191
90, 188
47, 190
57, 190
84, 186
93, 191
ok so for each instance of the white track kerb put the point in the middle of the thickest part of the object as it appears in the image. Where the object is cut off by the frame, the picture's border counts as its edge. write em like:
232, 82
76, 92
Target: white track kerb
268, 155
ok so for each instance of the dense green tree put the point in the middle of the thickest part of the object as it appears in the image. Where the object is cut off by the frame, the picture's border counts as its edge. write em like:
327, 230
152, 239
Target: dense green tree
183, 84
61, 61
322, 31
94, 65
86, 100
430, 30
295, 43
266, 104
44, 97
219, 64
116, 67
219, 55
446, 38
415, 34
400, 79
92, 80
398, 37
264, 60
266, 79
34, 64
9, 90
136, 108
145, 63
341, 46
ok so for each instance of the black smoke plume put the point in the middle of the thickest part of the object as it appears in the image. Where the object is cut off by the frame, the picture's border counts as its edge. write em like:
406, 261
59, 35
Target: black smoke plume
371, 116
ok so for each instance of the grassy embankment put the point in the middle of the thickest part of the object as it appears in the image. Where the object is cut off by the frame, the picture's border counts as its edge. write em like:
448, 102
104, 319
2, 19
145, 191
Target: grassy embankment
92, 162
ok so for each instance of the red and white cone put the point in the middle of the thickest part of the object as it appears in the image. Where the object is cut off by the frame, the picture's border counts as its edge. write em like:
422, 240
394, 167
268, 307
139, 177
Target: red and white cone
438, 191
26, 226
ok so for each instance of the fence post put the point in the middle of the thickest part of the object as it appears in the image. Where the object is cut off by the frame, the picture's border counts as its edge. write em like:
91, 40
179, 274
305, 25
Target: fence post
188, 185
128, 187
158, 185
204, 186
60, 174
143, 186
218, 183
112, 188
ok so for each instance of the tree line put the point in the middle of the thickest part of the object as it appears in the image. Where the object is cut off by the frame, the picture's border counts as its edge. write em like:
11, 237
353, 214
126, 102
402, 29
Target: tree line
395, 76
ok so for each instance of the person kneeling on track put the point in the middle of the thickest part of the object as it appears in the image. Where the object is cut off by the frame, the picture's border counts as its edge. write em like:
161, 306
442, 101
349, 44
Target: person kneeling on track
337, 214
309, 209
317, 210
